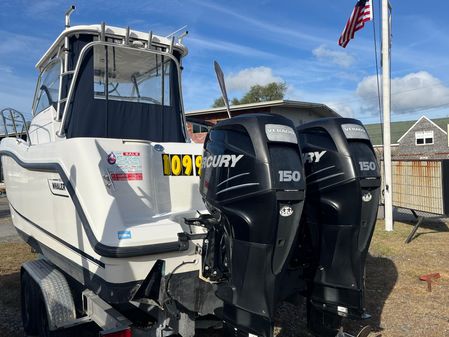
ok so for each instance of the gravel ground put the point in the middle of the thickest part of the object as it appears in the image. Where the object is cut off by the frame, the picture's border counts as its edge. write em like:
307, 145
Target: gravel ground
12, 255
7, 231
399, 303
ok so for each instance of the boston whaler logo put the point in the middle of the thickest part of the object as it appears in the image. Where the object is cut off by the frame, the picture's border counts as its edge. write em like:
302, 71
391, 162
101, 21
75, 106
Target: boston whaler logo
112, 158
222, 160
313, 157
57, 187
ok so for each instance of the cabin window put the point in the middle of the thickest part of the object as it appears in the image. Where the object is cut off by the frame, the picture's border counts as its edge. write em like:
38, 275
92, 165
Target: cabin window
48, 87
123, 74
424, 138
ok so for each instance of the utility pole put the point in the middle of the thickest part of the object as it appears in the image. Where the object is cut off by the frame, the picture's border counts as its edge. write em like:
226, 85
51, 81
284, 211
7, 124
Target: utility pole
386, 100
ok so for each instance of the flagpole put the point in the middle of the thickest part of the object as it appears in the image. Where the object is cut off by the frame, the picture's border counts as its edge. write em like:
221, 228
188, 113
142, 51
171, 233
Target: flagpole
386, 94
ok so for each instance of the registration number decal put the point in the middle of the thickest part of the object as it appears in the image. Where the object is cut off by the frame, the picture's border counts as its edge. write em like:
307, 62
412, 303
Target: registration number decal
181, 164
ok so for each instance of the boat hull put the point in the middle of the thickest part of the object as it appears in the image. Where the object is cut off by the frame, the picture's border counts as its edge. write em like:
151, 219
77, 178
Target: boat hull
106, 237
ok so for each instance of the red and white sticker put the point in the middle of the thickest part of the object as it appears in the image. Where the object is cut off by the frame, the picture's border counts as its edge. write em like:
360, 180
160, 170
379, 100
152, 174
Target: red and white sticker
127, 166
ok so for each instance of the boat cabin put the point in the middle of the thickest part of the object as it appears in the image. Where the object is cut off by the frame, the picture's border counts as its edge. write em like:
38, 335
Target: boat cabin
107, 82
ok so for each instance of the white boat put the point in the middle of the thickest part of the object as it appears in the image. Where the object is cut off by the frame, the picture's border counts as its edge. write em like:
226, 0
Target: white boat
106, 188
107, 175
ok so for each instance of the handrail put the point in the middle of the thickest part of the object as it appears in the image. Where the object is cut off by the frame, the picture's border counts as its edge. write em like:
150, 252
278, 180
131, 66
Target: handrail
10, 114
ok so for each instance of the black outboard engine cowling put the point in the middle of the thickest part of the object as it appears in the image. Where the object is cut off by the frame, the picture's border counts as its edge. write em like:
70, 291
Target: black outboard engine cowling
252, 183
343, 188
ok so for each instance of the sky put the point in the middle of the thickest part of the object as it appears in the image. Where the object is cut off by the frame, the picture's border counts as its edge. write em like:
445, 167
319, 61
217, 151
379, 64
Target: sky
256, 42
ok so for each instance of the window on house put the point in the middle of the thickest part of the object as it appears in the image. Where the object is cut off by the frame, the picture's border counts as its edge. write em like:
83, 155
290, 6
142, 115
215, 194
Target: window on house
198, 128
423, 137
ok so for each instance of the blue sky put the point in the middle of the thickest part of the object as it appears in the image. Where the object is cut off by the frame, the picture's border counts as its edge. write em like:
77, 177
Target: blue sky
255, 42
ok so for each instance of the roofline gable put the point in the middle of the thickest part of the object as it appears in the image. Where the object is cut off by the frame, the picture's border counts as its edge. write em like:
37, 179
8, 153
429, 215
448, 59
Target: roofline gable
266, 104
419, 120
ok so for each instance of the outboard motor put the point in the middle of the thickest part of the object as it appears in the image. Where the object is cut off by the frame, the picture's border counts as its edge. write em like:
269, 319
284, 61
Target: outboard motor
252, 183
343, 188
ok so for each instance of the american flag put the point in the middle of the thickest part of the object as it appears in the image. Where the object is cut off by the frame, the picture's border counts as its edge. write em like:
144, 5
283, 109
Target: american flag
363, 12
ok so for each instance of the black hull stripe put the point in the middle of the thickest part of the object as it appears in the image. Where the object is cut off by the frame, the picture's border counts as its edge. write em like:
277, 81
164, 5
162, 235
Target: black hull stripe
103, 250
68, 245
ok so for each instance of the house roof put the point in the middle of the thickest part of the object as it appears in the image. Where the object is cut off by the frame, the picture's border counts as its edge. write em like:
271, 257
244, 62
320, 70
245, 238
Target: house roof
319, 109
398, 129
417, 122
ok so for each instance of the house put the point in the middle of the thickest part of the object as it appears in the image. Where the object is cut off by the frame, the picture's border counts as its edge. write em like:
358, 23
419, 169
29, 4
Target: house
421, 139
199, 121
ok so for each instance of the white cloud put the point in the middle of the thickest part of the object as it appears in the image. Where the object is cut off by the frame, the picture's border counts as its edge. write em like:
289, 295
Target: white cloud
248, 77
412, 92
5, 69
341, 108
341, 58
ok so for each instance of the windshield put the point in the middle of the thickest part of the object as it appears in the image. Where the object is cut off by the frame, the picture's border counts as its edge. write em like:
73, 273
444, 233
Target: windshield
48, 87
125, 93
131, 75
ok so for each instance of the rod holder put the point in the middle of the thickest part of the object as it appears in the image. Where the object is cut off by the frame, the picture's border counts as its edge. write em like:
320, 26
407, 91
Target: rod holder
171, 45
68, 13
103, 32
127, 36
150, 40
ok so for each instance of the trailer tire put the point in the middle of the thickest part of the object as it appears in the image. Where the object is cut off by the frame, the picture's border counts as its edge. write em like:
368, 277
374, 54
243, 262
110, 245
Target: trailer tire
42, 325
29, 303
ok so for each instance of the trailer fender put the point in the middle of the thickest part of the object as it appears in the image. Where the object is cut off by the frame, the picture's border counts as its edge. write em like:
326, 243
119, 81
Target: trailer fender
55, 291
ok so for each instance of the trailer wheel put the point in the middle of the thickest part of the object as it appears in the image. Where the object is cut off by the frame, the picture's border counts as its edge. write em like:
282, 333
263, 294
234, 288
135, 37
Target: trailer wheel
42, 325
29, 303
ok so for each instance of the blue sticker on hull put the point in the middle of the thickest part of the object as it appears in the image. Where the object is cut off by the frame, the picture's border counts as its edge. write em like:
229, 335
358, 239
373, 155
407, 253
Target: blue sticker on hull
124, 235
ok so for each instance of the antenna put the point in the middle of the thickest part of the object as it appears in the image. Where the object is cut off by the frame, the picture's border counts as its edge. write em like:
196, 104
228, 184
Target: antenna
221, 83
67, 15
176, 31
183, 35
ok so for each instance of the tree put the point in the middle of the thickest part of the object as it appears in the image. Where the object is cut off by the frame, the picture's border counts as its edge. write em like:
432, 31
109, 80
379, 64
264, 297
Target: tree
270, 92
218, 103
258, 93
235, 101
